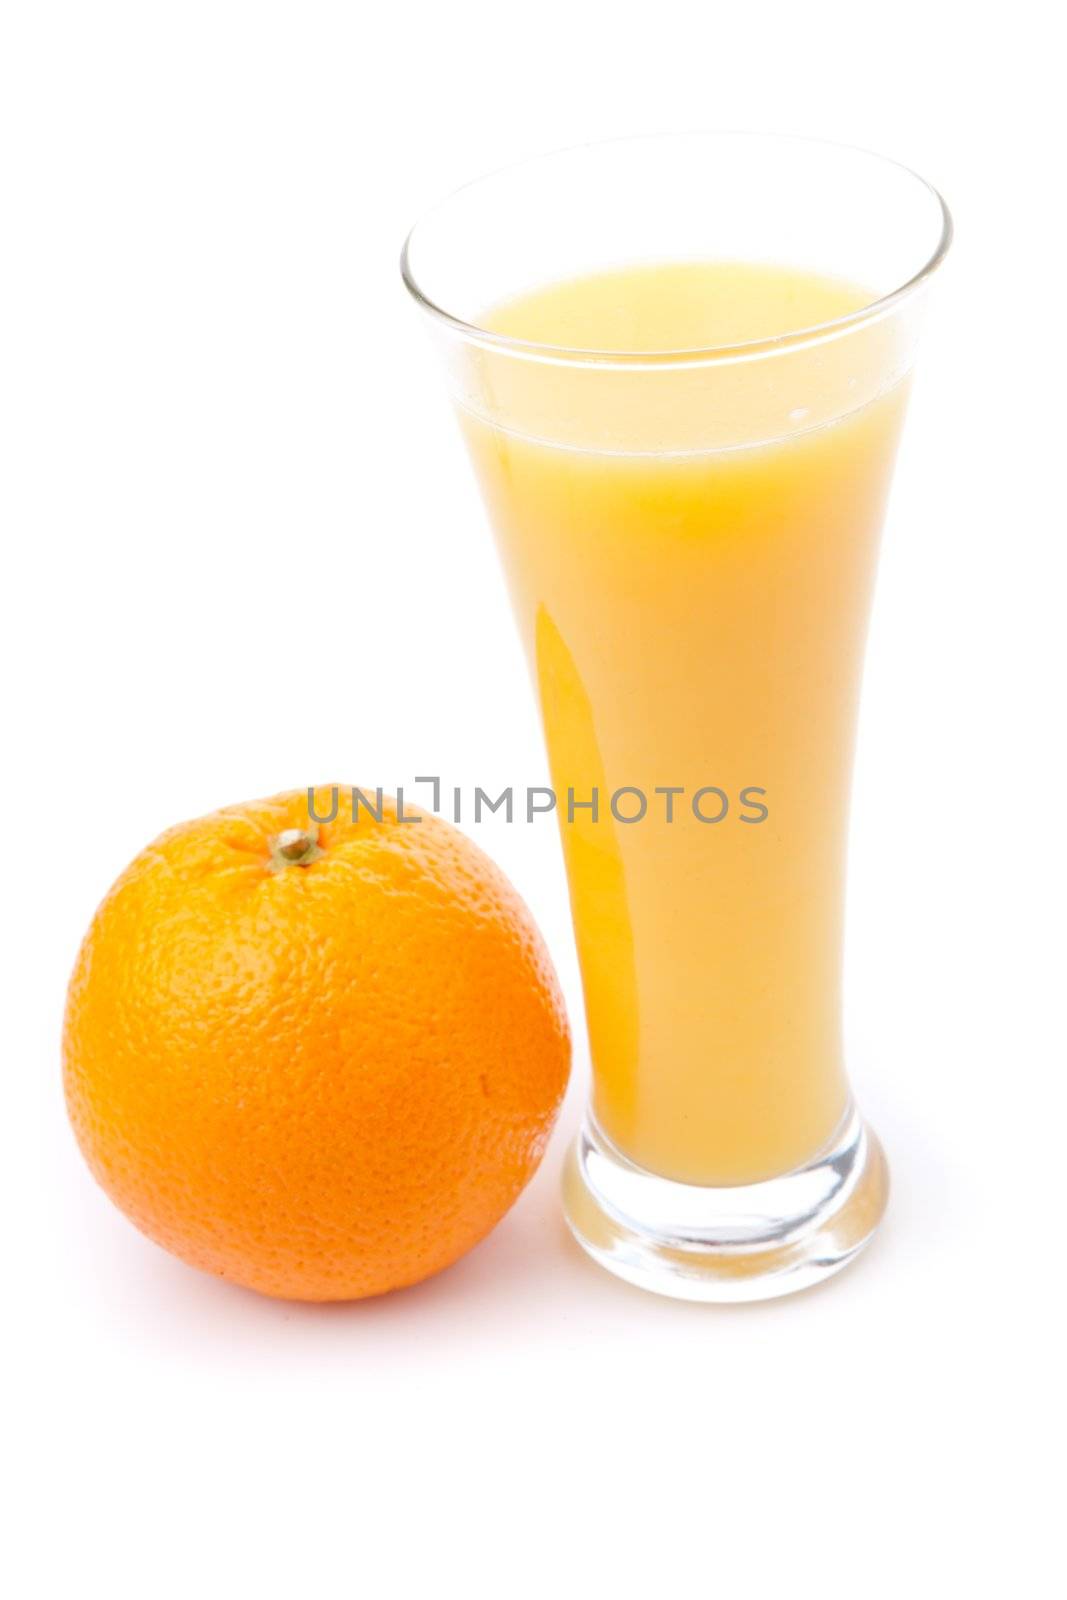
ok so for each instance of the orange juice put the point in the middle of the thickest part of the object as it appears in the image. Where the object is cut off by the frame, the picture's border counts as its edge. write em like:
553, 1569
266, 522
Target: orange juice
691, 560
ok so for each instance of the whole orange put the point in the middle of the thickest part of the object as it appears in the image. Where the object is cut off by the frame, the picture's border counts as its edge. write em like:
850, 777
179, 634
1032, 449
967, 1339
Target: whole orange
319, 1060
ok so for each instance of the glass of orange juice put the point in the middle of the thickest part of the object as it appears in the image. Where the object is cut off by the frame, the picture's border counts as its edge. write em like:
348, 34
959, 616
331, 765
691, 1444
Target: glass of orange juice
681, 366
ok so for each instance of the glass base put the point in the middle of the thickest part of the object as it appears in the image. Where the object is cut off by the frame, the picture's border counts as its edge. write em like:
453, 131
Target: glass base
744, 1242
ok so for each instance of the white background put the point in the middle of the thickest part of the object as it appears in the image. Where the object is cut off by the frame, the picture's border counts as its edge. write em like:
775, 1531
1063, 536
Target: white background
243, 552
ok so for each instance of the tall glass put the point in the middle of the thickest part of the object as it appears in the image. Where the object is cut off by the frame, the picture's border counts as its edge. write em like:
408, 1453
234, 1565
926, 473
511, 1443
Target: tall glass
690, 535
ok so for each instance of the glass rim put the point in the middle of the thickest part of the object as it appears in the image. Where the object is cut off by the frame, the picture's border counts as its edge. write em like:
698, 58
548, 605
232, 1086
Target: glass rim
747, 350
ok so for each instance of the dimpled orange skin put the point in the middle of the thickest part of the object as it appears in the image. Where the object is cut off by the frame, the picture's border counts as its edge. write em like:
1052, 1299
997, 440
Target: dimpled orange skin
325, 1081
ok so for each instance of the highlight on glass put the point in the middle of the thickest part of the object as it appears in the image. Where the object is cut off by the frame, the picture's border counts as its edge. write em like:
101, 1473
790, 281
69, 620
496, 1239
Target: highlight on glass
681, 366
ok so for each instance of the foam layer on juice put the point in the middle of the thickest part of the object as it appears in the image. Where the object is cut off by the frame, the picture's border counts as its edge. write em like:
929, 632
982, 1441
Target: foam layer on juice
664, 317
676, 306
